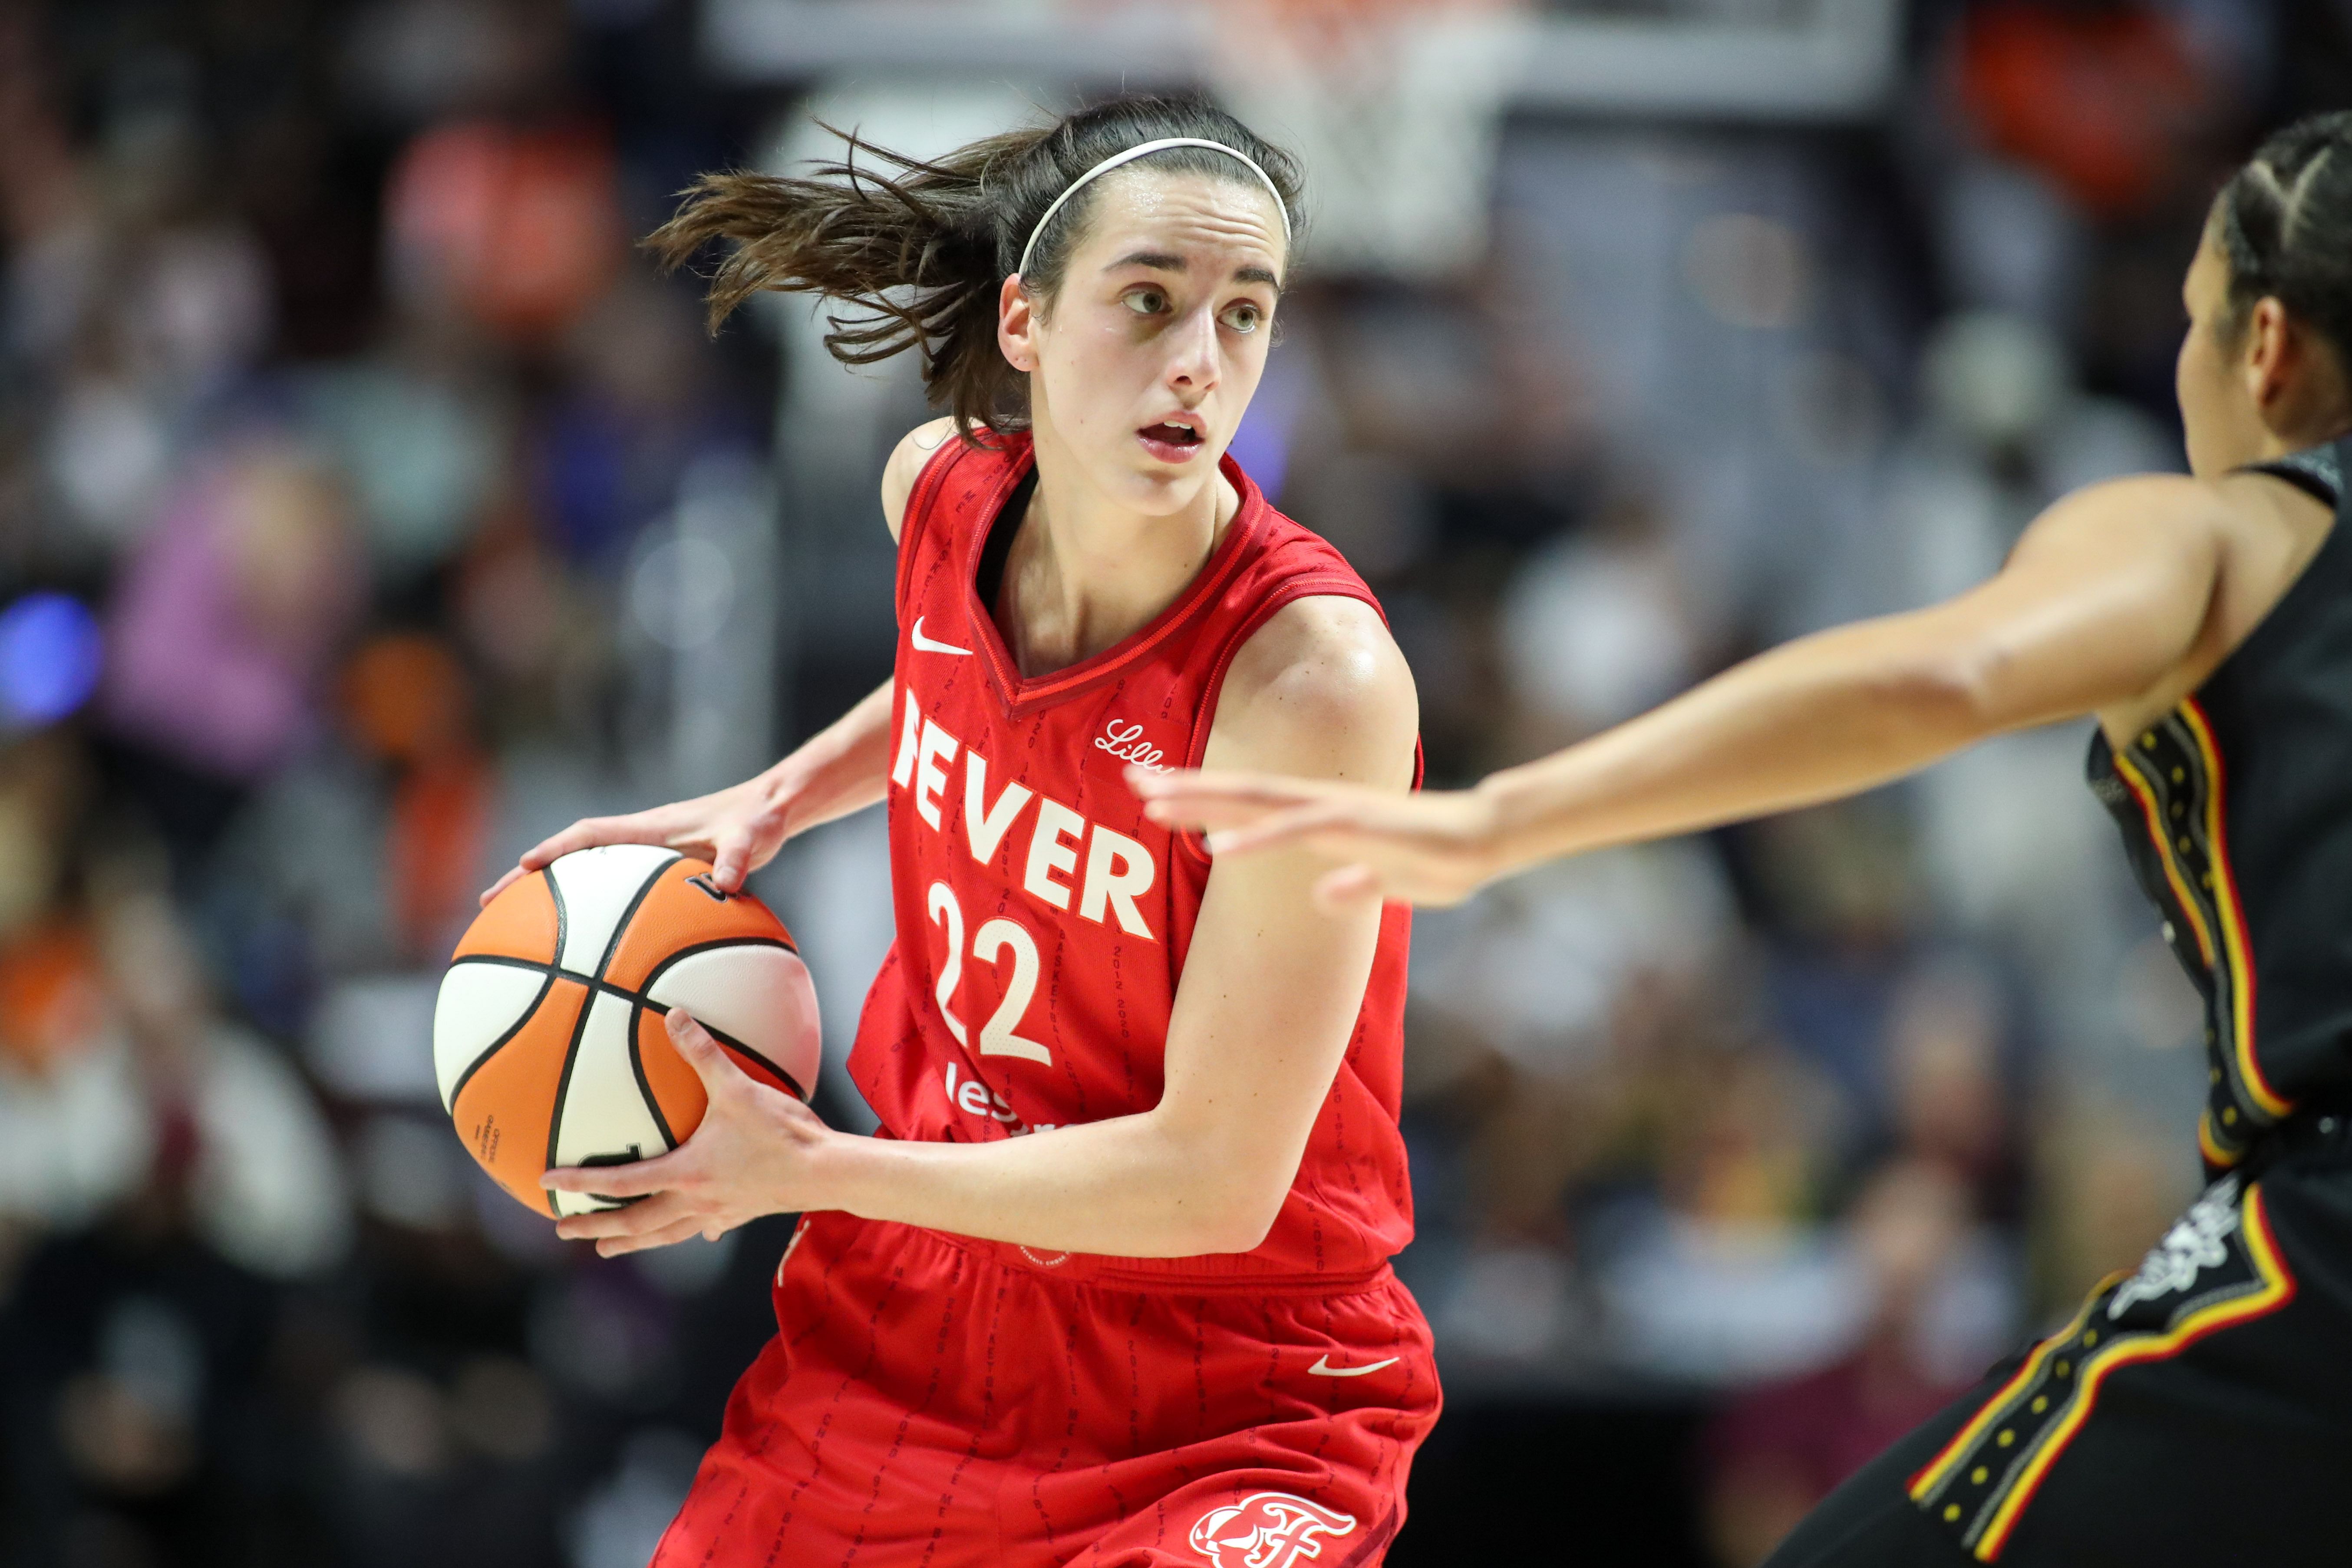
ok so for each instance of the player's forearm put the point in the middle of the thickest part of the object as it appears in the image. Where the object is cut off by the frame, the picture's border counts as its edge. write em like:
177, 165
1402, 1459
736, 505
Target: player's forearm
1821, 717
841, 769
1130, 1186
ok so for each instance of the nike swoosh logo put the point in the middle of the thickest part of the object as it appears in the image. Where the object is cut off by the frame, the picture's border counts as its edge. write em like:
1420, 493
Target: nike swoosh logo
1323, 1367
925, 645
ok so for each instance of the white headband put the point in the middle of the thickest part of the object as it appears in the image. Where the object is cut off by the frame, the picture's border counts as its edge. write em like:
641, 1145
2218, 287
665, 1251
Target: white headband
1116, 159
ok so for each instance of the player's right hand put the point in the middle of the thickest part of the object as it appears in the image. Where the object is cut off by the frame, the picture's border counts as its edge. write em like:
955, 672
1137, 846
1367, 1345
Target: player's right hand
737, 830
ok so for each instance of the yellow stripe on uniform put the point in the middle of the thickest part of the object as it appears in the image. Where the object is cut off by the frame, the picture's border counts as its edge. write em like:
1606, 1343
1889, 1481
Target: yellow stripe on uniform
1942, 1465
2128, 769
2278, 1289
2215, 1156
2234, 920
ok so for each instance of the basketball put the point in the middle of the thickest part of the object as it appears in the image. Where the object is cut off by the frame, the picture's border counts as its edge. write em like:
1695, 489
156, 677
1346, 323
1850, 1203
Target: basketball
549, 1037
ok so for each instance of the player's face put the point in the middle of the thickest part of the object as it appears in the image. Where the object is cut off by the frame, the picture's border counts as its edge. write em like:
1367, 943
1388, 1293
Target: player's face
1152, 348
2217, 406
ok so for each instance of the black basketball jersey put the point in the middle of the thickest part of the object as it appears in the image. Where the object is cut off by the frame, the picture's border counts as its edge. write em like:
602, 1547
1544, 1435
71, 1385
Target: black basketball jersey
2236, 810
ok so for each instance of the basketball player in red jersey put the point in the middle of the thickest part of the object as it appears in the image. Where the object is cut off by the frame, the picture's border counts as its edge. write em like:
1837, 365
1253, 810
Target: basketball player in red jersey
1112, 1285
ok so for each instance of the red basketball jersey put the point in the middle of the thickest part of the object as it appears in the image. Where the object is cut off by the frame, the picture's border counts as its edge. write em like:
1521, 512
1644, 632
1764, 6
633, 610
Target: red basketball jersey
1043, 920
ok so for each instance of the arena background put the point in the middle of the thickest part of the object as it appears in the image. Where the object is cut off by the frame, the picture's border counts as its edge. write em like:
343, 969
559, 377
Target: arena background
368, 508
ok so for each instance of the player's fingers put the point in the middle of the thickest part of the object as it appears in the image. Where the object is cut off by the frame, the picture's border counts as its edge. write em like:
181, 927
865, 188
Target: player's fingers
639, 1179
1207, 813
514, 873
1347, 889
633, 1219
1225, 788
730, 860
1326, 825
683, 1230
638, 827
702, 1053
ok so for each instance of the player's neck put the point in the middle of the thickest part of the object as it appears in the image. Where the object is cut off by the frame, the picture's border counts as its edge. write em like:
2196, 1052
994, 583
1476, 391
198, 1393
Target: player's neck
1084, 572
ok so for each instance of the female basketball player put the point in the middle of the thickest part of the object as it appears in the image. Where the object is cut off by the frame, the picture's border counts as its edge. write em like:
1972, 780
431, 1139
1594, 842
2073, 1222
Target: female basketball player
1112, 1286
2201, 1411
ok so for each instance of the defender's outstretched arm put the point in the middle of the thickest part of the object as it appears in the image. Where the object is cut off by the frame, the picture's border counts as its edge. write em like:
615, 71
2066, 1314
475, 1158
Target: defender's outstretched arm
2103, 599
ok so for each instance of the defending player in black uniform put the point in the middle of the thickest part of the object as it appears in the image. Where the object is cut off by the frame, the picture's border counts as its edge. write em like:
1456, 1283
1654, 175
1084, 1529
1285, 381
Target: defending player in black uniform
2201, 1410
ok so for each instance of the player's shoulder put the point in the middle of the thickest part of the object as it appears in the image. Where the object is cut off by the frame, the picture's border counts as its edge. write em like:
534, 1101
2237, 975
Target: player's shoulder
2140, 515
1320, 689
915, 448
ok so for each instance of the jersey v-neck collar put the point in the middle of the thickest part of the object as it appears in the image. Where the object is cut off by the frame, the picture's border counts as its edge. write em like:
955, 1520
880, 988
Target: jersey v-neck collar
1021, 695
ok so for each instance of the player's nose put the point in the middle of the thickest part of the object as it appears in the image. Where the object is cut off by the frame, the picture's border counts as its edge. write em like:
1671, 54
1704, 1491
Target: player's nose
1192, 353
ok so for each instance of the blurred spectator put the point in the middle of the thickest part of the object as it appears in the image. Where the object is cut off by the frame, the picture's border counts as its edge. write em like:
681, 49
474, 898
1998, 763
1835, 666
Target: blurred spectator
519, 228
2104, 97
1781, 1447
224, 622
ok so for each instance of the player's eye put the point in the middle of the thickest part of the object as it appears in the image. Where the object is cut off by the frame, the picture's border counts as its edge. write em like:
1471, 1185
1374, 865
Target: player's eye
1145, 301
1244, 317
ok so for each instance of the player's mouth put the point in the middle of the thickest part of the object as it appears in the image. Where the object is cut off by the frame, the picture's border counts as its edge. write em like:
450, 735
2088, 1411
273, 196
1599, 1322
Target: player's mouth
1173, 440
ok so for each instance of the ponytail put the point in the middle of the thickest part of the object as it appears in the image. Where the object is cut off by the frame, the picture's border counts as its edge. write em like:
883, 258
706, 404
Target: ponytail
919, 251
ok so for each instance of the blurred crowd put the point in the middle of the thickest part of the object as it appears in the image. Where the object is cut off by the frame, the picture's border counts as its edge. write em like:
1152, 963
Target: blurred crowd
338, 426
368, 509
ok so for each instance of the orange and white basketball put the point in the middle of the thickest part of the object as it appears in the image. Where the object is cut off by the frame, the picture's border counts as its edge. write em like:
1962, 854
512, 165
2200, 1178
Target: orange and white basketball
549, 1037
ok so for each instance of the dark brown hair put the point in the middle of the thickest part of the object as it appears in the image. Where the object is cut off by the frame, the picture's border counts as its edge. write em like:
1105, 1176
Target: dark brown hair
2285, 221
919, 249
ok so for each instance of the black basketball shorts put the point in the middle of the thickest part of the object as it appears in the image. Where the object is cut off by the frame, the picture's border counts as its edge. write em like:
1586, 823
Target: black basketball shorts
2197, 1412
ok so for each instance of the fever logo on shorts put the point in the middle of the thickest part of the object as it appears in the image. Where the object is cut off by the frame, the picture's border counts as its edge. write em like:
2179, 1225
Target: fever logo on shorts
1268, 1529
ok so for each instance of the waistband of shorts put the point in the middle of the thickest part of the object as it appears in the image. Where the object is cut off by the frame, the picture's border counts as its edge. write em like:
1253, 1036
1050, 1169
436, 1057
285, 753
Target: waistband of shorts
2318, 1134
1124, 1274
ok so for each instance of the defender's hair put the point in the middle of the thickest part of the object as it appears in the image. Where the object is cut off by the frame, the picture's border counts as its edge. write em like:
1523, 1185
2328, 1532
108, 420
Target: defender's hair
919, 249
2285, 221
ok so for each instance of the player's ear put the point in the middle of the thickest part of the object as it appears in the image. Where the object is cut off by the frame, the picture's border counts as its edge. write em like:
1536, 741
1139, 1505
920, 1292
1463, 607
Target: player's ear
1016, 325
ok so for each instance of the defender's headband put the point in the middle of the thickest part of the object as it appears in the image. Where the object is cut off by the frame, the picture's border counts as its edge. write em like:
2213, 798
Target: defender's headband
1132, 153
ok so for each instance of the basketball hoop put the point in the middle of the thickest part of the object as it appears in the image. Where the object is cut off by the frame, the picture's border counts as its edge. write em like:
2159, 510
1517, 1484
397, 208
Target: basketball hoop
1395, 105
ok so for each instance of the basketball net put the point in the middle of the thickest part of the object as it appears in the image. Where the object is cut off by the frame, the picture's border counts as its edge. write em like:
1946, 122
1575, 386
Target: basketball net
1396, 108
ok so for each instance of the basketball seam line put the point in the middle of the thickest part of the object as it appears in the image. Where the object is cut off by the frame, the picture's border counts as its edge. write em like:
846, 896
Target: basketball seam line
683, 953
637, 1001
643, 1002
637, 1065
555, 897
644, 999
636, 1011
587, 1008
546, 985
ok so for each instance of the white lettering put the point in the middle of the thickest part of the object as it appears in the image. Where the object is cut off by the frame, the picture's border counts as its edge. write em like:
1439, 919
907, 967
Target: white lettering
990, 943
1126, 743
1047, 855
1117, 871
911, 730
938, 748
984, 828
972, 1098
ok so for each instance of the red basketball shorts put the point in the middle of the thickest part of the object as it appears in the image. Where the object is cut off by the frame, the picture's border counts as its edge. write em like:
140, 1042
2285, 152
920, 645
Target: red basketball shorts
927, 1406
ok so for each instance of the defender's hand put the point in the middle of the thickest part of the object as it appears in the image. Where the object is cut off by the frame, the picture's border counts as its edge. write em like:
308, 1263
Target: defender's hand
750, 1157
737, 830
1435, 848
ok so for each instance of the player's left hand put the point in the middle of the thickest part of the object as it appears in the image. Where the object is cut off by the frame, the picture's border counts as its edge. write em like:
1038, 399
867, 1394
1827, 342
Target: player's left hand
750, 1157
1432, 847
